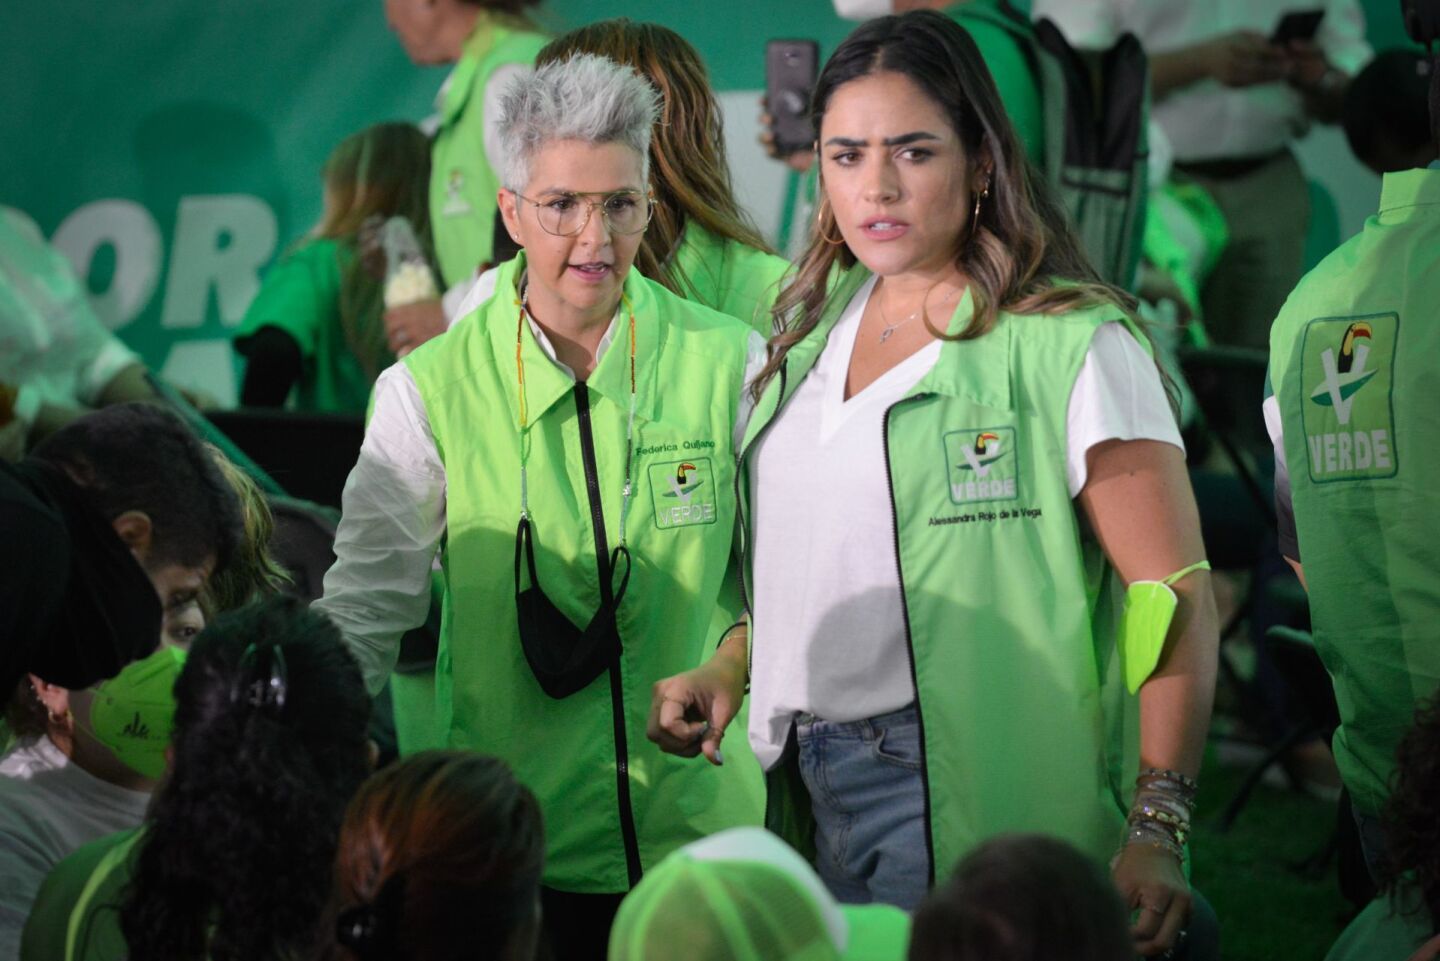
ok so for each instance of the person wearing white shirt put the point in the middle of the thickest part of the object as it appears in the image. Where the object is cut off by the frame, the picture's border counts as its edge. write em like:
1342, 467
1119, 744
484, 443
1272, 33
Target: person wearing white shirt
960, 448
1231, 103
571, 443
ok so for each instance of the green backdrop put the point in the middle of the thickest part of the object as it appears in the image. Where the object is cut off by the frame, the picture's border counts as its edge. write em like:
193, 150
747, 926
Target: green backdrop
172, 149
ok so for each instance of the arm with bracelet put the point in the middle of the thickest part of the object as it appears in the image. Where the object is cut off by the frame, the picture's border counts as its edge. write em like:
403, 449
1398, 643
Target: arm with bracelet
1140, 506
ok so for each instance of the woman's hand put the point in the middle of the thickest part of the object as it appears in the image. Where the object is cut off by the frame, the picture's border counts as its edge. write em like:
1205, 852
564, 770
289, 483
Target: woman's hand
689, 712
1151, 882
410, 325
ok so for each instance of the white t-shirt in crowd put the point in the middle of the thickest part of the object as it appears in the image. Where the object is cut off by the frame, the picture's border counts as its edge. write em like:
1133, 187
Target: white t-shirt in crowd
49, 807
828, 624
1207, 120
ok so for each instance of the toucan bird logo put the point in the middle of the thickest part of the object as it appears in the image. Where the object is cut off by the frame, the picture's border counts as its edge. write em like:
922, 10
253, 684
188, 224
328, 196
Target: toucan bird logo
986, 450
683, 485
1346, 374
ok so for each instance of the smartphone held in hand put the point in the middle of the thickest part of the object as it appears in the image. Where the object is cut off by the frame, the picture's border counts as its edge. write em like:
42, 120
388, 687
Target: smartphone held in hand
790, 70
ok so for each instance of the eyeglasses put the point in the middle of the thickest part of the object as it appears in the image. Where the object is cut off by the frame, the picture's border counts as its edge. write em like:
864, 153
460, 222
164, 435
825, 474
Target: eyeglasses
565, 215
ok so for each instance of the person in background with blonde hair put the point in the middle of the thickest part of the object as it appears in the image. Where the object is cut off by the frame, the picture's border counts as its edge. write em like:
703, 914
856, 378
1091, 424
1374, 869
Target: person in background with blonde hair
961, 454
315, 325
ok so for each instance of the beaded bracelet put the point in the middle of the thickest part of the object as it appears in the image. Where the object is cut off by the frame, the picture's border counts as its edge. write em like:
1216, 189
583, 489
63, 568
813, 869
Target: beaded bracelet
1160, 816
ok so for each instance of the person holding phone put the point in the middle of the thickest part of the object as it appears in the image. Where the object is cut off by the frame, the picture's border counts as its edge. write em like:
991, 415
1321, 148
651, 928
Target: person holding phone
1235, 84
961, 453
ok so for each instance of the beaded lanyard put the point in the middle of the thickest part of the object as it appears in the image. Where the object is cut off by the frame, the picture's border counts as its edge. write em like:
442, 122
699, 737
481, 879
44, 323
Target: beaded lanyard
521, 302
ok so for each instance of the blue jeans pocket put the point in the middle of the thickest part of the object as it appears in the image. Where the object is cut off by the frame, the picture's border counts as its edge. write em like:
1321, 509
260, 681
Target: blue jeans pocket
899, 745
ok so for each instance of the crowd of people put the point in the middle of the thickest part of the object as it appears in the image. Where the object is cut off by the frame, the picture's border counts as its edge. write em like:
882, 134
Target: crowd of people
855, 605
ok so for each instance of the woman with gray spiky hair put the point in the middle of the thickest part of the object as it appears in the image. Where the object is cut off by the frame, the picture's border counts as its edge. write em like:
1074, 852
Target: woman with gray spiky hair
572, 445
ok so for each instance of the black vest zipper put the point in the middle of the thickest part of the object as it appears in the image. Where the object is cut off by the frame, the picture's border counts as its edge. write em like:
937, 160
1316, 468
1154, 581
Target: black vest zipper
909, 639
617, 689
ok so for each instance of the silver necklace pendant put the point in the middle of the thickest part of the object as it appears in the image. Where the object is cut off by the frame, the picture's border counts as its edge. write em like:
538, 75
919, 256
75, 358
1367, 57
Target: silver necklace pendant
885, 334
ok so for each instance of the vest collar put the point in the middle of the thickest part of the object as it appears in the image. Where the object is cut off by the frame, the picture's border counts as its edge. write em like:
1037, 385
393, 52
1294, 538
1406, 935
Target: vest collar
978, 369
1409, 188
545, 382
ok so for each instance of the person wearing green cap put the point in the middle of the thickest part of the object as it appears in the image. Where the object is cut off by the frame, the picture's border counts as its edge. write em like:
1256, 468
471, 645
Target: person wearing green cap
84, 768
746, 895
1351, 412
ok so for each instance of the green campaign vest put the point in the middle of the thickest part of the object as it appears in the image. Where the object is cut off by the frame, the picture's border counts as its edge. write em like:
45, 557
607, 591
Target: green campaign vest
690, 364
462, 185
76, 915
730, 277
1352, 364
1010, 607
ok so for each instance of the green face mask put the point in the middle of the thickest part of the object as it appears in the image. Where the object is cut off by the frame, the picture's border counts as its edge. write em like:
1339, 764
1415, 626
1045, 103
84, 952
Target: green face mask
1145, 623
133, 712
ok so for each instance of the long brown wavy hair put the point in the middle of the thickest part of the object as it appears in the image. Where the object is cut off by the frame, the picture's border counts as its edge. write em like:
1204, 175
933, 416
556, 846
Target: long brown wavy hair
688, 169
382, 171
1021, 256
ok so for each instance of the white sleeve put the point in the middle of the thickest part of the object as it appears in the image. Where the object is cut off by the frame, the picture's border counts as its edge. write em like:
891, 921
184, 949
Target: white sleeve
1086, 24
494, 92
755, 357
392, 520
1117, 396
1342, 36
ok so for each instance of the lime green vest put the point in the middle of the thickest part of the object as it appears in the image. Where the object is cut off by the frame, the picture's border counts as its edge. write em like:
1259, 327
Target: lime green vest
1009, 605
689, 367
729, 276
462, 185
1353, 366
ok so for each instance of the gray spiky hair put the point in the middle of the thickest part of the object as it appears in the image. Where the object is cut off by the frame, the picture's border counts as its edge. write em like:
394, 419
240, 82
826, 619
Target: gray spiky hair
585, 97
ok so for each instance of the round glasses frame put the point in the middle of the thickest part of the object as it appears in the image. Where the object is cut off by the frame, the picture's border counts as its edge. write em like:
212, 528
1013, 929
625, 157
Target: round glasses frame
590, 205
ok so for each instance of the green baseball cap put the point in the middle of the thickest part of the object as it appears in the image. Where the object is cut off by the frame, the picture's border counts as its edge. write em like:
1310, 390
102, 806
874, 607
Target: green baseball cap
745, 895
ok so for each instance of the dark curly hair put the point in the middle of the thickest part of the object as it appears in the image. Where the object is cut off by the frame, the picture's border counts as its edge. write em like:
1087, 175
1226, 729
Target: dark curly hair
1412, 829
1023, 897
270, 744
440, 859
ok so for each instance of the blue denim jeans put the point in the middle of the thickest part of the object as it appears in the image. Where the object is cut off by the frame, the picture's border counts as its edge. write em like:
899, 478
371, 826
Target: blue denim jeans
868, 797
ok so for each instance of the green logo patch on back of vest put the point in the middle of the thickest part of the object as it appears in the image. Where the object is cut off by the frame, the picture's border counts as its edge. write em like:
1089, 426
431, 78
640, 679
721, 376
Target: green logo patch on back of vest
1347, 372
684, 493
982, 464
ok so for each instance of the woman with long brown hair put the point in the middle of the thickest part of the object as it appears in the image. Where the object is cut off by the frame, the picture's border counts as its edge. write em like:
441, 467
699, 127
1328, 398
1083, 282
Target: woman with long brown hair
700, 243
315, 325
961, 454
440, 858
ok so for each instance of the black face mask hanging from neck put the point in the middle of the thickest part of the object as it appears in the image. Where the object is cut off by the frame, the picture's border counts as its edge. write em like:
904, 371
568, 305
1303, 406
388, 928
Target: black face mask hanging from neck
565, 658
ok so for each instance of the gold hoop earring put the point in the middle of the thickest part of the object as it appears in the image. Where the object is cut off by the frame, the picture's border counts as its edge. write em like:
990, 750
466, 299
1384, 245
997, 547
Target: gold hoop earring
975, 214
820, 224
